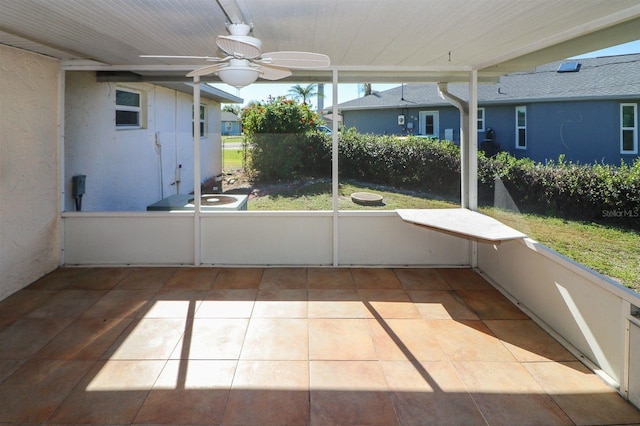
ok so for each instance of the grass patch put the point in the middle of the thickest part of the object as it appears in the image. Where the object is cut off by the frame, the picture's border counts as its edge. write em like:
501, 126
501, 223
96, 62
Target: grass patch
316, 195
610, 251
231, 159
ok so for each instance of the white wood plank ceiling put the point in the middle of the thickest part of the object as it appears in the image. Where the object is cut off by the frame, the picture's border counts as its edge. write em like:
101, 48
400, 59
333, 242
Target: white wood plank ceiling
399, 40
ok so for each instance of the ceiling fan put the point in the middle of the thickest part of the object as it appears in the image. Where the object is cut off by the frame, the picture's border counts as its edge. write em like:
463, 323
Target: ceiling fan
244, 61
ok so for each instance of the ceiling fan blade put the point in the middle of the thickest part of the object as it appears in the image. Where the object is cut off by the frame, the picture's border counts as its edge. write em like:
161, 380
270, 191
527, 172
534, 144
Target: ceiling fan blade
209, 69
300, 60
244, 49
208, 58
269, 72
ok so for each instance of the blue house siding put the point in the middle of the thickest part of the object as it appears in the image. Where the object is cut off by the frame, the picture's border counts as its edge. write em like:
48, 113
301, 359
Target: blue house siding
582, 131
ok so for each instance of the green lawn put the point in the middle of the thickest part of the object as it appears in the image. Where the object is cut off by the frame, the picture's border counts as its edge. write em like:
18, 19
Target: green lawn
231, 158
610, 251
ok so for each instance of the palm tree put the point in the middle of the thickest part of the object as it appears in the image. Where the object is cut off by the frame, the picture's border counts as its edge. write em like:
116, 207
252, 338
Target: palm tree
298, 92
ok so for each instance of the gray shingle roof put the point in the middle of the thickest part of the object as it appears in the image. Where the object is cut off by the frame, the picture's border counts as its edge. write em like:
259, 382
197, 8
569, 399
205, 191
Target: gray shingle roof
228, 116
606, 77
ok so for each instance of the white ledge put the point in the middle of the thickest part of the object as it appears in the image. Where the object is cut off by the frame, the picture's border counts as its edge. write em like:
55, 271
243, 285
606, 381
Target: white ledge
461, 222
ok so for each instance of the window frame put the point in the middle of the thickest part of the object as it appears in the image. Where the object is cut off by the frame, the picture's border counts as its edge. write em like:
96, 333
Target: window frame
481, 120
129, 108
633, 129
518, 127
203, 121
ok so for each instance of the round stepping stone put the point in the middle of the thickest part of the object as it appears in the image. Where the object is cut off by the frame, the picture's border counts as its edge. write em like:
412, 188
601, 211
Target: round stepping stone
366, 199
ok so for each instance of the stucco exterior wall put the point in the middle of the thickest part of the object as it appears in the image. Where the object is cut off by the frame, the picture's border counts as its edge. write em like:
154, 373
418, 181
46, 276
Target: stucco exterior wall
29, 168
129, 169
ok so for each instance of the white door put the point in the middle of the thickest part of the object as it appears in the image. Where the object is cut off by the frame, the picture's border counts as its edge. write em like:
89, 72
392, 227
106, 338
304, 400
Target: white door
429, 124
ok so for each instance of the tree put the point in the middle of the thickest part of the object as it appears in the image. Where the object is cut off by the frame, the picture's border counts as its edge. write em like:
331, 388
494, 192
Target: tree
298, 92
232, 108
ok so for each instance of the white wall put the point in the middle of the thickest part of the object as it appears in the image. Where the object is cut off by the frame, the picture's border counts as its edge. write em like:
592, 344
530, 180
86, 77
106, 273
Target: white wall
587, 310
125, 169
29, 159
257, 238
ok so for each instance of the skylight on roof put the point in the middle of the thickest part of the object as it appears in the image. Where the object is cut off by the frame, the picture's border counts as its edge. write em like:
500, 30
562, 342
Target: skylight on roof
572, 66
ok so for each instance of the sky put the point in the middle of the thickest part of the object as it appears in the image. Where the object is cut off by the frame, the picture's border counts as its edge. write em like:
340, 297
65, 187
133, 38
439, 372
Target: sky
347, 92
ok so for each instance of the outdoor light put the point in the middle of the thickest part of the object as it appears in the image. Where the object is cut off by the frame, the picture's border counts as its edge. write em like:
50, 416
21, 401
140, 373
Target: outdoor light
239, 73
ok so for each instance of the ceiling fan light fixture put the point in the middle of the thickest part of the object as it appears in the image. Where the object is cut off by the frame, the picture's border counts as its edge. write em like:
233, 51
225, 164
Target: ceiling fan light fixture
238, 76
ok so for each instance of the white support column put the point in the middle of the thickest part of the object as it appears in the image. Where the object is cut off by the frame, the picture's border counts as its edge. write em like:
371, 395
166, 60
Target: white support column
196, 171
472, 157
61, 157
334, 168
473, 141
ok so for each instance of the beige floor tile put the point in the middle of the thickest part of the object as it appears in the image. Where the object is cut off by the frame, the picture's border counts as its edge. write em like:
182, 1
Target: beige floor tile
100, 278
227, 304
582, 395
111, 393
276, 339
59, 279
25, 337
341, 303
430, 390
388, 304
189, 392
191, 279
281, 304
371, 278
8, 367
528, 342
152, 355
23, 302
330, 278
421, 279
34, 391
284, 278
238, 278
507, 394
146, 278
464, 279
349, 393
441, 305
67, 304
148, 338
212, 338
468, 341
84, 339
491, 304
174, 304
405, 339
120, 304
340, 339
269, 393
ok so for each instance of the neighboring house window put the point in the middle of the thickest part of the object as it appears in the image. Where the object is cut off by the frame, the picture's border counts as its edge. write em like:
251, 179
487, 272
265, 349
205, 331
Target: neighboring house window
202, 120
429, 123
628, 129
481, 119
521, 127
128, 109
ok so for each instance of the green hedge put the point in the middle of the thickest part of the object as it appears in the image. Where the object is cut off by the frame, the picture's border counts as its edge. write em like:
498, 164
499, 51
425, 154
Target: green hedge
596, 192
579, 191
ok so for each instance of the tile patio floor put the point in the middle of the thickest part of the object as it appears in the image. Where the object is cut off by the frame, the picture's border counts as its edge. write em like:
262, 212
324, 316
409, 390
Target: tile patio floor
285, 347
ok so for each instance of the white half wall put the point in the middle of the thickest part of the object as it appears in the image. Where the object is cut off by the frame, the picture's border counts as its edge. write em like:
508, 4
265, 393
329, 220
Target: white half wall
256, 239
29, 168
587, 310
128, 239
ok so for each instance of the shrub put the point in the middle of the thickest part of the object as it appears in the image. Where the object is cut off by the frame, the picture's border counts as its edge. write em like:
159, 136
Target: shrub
278, 132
